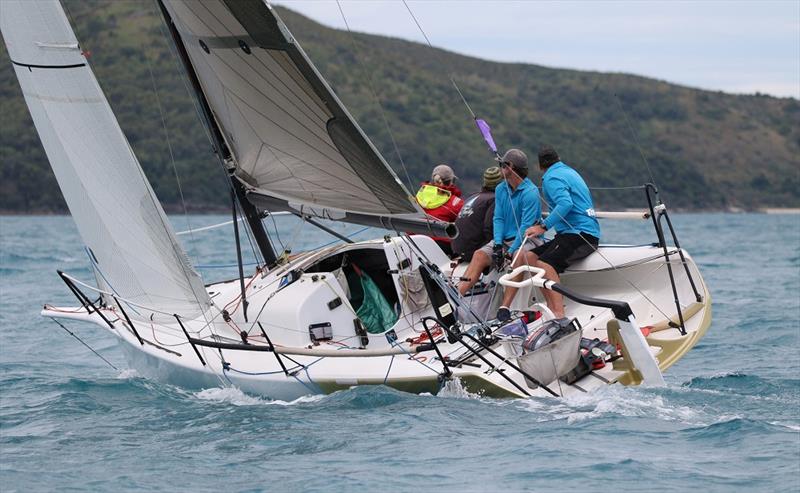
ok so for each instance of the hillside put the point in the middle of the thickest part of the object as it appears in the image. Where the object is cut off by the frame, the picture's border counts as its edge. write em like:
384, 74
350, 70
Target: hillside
707, 150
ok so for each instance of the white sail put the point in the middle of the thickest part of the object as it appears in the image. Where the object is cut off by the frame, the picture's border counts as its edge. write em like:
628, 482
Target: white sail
290, 135
129, 239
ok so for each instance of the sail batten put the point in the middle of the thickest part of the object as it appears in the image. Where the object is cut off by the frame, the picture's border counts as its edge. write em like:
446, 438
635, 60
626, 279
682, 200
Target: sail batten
133, 250
289, 134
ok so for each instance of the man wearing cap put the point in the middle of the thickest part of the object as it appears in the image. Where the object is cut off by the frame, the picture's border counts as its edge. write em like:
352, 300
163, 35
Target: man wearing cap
516, 208
475, 221
572, 216
441, 198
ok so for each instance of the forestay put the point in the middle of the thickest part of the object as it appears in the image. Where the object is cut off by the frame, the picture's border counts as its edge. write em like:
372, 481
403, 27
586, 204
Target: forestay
291, 137
129, 240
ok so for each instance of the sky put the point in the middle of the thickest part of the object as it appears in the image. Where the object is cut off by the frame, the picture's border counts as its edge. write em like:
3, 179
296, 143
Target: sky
732, 46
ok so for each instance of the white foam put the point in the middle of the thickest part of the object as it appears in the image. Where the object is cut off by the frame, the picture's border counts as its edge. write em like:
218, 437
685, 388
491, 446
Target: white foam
230, 395
454, 389
127, 374
614, 400
233, 395
786, 425
305, 399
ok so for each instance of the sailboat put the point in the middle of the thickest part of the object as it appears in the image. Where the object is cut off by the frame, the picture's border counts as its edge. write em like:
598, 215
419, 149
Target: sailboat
380, 312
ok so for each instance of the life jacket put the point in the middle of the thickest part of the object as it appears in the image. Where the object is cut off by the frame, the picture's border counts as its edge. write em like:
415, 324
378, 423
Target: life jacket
440, 201
431, 196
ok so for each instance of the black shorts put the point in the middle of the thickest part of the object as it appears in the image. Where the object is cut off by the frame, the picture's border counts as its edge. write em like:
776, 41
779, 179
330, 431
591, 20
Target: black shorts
565, 249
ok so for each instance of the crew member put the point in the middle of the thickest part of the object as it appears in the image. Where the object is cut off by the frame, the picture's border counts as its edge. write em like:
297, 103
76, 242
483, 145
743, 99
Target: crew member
516, 208
475, 221
441, 199
572, 216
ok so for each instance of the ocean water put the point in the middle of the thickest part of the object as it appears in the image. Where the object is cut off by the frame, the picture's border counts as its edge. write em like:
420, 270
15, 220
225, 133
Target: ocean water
728, 420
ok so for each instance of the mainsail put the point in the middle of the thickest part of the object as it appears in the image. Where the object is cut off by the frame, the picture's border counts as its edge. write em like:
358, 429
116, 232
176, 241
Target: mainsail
129, 239
292, 139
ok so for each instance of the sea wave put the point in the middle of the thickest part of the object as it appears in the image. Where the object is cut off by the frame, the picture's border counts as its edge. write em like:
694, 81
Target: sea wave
752, 386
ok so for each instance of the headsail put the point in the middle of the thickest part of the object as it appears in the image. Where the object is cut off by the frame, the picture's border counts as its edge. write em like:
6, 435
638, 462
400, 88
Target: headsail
129, 239
291, 136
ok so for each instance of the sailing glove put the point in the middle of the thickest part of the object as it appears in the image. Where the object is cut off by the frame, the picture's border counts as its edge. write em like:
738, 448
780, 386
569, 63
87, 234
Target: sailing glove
498, 256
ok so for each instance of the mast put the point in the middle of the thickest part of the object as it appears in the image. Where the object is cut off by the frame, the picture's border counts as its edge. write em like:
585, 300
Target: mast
221, 148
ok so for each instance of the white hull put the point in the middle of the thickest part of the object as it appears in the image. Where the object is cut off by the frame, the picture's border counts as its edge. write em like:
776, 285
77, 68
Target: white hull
320, 369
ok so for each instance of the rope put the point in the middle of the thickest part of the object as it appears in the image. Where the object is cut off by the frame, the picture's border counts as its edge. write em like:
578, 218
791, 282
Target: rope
169, 143
371, 85
635, 138
450, 76
389, 369
81, 341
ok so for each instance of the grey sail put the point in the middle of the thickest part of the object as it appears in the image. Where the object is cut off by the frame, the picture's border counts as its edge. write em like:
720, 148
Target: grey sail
129, 240
292, 139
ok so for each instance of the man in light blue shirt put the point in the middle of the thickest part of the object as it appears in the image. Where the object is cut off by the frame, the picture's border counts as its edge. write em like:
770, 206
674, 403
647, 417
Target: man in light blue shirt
571, 215
516, 208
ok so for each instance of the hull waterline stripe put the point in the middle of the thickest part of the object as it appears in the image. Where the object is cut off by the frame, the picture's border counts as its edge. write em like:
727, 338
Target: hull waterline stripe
30, 66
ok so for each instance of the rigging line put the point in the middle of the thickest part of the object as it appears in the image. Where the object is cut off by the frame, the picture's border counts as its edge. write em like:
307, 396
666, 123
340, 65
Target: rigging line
207, 228
169, 145
81, 341
413, 357
96, 269
452, 79
129, 302
225, 223
371, 85
195, 103
189, 91
256, 251
182, 75
295, 232
277, 234
389, 369
635, 139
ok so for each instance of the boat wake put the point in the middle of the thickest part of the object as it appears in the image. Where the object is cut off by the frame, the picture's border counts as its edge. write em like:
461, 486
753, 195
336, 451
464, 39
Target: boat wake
616, 401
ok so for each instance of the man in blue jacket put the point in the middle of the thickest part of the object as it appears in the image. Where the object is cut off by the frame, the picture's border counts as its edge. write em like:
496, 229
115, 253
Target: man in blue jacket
516, 208
573, 218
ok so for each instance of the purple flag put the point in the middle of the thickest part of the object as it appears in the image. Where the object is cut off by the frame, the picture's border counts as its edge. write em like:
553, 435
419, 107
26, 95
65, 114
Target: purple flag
487, 133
